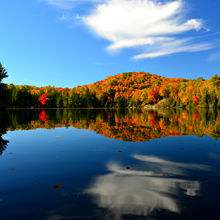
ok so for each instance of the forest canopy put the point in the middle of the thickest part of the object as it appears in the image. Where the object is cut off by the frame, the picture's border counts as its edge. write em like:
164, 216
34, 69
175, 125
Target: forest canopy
130, 89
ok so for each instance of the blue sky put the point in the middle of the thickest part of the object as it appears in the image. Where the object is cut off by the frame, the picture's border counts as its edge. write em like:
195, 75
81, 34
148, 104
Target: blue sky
74, 42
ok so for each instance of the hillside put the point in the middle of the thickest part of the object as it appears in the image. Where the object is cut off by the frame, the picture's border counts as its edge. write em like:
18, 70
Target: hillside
138, 89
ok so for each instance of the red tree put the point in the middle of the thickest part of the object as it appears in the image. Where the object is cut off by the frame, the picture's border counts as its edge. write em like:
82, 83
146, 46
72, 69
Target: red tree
43, 99
154, 94
195, 99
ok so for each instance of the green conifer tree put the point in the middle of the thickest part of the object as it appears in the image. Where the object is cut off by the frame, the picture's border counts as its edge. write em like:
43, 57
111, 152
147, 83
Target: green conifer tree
3, 74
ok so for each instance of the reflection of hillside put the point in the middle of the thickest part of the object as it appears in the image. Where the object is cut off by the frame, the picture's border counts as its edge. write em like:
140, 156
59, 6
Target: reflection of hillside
124, 125
160, 185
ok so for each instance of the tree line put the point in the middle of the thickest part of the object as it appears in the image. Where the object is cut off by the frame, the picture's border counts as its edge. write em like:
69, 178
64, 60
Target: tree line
132, 89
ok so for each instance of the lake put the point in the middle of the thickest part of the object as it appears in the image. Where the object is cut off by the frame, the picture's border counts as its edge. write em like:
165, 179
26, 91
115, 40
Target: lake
109, 164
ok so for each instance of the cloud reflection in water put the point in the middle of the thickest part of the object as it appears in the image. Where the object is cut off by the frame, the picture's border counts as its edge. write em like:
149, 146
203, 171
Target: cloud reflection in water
139, 192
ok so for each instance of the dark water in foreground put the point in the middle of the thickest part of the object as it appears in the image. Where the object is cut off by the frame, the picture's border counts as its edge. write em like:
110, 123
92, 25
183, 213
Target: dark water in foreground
99, 164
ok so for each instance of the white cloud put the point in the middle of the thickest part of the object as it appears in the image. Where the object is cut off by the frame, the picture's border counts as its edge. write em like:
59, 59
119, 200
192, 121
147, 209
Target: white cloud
174, 46
147, 24
154, 27
69, 4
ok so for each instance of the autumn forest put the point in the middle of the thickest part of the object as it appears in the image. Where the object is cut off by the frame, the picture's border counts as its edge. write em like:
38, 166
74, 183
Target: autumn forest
130, 89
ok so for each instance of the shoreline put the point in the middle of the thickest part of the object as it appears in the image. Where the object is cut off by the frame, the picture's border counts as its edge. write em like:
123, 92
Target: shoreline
101, 108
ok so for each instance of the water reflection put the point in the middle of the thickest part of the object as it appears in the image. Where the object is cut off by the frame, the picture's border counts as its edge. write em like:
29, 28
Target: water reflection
43, 116
172, 168
122, 124
152, 180
127, 125
159, 185
3, 142
3, 126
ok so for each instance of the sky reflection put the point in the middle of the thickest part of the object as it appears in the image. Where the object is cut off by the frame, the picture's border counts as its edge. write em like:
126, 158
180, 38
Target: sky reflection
159, 185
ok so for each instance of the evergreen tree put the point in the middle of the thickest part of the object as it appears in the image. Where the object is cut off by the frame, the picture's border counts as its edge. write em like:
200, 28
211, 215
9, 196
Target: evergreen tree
3, 74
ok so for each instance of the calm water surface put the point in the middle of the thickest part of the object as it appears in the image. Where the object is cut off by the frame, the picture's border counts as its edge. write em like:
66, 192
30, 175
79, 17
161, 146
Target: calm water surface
109, 164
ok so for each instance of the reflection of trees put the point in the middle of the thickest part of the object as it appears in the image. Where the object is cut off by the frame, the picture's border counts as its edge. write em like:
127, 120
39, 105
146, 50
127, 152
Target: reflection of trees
123, 124
43, 116
3, 143
159, 185
3, 125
